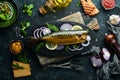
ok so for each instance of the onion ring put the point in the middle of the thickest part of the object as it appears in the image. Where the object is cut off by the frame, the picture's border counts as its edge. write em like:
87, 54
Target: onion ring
71, 49
38, 32
66, 26
88, 38
85, 44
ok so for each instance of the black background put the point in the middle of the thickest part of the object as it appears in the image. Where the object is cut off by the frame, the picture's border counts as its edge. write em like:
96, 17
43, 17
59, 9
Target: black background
8, 34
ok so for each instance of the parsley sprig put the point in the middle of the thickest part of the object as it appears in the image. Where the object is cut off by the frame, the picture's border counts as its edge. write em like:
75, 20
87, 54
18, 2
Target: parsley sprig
28, 9
24, 26
52, 27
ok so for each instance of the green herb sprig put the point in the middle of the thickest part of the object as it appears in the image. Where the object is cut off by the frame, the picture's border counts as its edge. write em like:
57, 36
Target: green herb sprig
24, 26
66, 48
41, 45
52, 27
28, 9
17, 66
23, 58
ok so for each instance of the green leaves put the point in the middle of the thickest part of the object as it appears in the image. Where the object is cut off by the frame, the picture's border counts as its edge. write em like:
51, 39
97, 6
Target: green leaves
17, 66
52, 27
24, 26
23, 58
39, 47
28, 9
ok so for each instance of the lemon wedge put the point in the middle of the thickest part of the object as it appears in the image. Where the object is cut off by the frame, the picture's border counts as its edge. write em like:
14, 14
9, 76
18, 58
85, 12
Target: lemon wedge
76, 27
51, 46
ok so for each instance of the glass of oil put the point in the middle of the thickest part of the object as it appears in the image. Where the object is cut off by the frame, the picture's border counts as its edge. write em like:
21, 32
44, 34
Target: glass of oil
54, 5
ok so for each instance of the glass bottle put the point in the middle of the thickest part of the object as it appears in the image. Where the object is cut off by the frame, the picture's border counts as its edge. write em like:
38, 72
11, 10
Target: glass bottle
54, 5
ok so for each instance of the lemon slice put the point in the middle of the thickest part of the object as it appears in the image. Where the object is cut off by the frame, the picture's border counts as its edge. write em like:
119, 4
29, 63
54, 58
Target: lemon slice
51, 46
76, 27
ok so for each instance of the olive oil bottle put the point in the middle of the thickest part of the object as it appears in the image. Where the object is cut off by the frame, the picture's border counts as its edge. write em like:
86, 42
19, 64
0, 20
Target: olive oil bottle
54, 5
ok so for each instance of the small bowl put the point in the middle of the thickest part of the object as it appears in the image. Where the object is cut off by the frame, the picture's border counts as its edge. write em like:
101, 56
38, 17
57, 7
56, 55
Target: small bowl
7, 23
17, 44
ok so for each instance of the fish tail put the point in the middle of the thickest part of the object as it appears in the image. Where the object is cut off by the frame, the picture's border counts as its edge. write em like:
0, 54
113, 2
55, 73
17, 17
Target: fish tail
32, 40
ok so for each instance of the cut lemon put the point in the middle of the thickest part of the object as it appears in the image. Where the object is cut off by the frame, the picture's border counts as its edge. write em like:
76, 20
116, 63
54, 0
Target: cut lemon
51, 46
76, 27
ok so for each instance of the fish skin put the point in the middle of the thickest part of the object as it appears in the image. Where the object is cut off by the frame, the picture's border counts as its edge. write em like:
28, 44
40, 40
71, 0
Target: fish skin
65, 37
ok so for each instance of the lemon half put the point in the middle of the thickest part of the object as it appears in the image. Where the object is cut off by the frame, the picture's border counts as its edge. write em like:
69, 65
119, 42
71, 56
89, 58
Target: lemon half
76, 27
51, 46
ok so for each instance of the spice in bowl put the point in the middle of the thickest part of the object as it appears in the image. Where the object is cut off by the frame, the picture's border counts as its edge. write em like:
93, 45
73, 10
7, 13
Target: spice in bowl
16, 47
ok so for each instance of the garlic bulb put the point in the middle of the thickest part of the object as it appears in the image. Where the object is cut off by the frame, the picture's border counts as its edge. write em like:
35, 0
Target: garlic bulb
114, 19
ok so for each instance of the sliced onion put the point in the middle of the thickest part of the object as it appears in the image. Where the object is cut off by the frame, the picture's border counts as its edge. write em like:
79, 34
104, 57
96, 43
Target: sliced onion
59, 47
35, 33
88, 38
39, 32
46, 31
71, 49
105, 54
96, 61
66, 26
85, 43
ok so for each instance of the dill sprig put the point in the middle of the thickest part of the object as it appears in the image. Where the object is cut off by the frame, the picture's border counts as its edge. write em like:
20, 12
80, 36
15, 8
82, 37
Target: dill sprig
23, 58
17, 66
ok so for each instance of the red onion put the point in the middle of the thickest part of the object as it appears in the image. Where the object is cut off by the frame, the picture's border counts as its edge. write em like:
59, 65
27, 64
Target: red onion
105, 54
85, 43
35, 33
96, 61
71, 49
66, 26
59, 47
88, 38
39, 32
46, 31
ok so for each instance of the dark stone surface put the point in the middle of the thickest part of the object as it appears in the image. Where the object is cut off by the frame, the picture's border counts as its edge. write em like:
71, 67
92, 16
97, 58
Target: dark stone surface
8, 34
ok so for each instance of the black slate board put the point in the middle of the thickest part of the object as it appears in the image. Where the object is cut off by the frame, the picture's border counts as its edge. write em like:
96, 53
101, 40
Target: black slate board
63, 52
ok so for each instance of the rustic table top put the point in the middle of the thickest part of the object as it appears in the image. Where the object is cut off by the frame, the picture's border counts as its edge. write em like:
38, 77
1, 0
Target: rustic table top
9, 33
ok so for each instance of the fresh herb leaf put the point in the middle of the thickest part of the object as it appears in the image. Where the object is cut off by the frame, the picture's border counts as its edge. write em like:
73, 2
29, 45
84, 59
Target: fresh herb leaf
39, 47
76, 46
28, 9
23, 58
66, 48
52, 27
24, 26
17, 66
